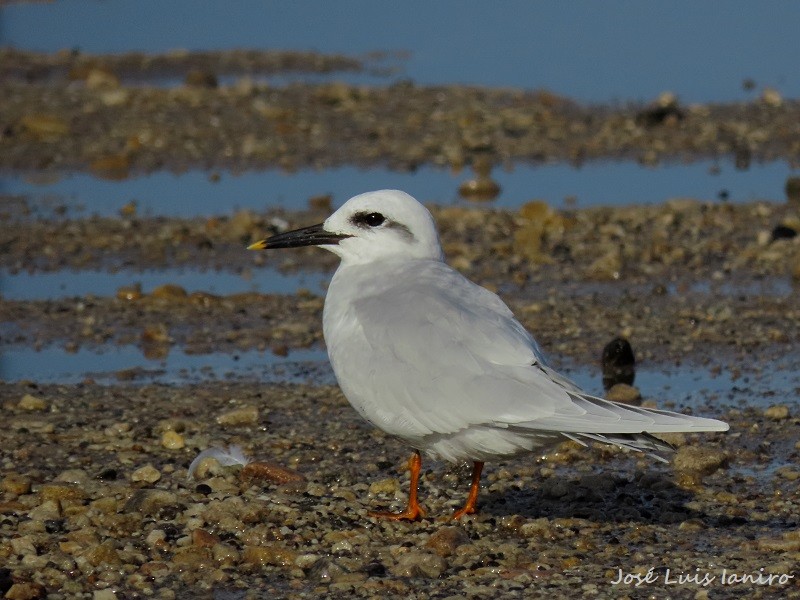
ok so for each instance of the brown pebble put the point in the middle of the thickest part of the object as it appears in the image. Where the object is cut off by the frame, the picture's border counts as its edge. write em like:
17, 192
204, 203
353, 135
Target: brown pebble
172, 440
777, 412
384, 486
169, 291
624, 394
191, 558
61, 491
606, 267
115, 167
146, 474
26, 591
149, 502
32, 403
203, 539
480, 188
15, 483
446, 540
246, 415
268, 555
103, 554
129, 292
266, 471
225, 555
45, 127
692, 463
779, 545
420, 564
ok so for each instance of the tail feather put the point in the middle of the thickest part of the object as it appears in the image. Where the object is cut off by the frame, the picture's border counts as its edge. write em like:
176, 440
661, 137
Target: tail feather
640, 442
588, 414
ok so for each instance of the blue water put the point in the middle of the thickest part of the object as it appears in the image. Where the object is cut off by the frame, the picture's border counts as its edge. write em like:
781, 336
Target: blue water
55, 364
685, 386
66, 283
592, 51
600, 183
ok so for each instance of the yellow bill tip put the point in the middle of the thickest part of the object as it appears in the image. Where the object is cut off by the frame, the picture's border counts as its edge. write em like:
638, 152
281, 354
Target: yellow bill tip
259, 245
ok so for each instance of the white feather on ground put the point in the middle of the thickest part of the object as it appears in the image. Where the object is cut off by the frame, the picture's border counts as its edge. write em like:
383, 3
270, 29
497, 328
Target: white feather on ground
227, 457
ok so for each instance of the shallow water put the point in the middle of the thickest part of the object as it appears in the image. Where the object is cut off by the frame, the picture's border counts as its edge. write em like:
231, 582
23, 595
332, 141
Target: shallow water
595, 52
55, 364
67, 283
687, 386
194, 194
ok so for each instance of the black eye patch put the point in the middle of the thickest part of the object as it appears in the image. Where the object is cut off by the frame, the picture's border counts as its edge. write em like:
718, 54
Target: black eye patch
365, 219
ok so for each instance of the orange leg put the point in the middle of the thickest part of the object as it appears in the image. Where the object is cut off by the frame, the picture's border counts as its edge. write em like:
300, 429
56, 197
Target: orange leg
472, 499
413, 511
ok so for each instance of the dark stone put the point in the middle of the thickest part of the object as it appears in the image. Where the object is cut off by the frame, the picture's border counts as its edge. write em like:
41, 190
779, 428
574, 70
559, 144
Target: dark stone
783, 232
618, 362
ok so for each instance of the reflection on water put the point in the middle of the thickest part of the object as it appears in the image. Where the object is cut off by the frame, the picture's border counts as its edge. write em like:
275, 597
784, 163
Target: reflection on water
195, 194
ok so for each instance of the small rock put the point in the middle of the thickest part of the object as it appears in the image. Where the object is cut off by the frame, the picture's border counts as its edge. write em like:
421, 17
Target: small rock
388, 486
420, 564
32, 403
146, 474
607, 267
246, 415
306, 561
695, 462
100, 79
74, 476
26, 591
103, 554
15, 483
224, 555
172, 440
788, 473
624, 394
479, 188
191, 558
269, 555
203, 539
201, 79
130, 292
169, 291
792, 189
23, 546
771, 97
777, 412
445, 541
61, 491
618, 363
156, 538
106, 594
241, 225
45, 127
267, 471
783, 232
114, 167
47, 510
779, 545
149, 502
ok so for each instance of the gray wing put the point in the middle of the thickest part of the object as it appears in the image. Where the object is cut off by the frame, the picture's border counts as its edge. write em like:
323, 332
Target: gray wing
459, 358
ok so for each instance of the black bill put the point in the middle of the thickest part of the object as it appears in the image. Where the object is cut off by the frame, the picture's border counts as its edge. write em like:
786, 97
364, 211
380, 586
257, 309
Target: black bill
307, 236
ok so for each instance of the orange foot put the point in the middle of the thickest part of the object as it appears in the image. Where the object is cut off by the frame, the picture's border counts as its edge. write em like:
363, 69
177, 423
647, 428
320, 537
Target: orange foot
413, 511
469, 507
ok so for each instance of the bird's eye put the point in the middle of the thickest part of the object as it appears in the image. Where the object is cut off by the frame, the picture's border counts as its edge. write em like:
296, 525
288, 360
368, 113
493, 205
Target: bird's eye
369, 219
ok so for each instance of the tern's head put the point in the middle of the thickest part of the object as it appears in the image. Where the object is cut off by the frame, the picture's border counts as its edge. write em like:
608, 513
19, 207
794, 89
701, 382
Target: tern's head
369, 227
